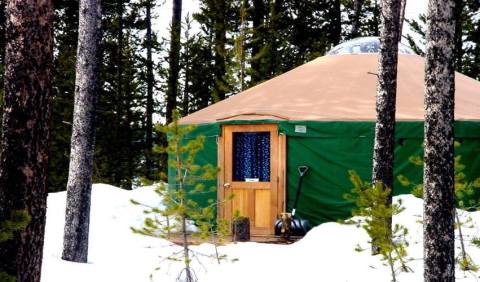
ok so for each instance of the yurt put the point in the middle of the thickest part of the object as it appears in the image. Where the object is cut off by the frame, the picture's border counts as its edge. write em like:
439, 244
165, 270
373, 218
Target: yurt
321, 115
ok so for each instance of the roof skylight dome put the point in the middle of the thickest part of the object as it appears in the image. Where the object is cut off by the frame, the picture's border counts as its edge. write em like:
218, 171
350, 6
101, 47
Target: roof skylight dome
365, 45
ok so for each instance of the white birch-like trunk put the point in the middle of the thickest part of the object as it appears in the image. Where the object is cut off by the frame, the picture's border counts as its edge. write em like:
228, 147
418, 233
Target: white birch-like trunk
77, 218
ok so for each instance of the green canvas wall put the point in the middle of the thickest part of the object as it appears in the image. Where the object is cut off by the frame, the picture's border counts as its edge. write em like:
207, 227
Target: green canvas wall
330, 149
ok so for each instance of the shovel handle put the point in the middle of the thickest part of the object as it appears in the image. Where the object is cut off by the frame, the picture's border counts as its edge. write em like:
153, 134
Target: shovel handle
302, 170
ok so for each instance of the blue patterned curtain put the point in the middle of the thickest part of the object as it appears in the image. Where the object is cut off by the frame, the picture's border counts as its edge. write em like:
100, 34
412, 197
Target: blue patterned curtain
251, 155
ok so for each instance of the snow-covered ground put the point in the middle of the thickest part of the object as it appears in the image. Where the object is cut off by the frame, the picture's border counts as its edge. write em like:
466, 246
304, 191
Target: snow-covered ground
327, 253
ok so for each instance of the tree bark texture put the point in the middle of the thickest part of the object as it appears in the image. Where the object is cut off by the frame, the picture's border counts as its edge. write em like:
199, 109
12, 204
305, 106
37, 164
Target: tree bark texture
174, 59
403, 4
384, 144
77, 217
24, 142
386, 94
438, 179
150, 83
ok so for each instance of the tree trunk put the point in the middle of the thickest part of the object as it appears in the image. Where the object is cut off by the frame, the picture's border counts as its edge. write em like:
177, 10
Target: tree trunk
116, 172
357, 10
458, 14
438, 179
220, 30
77, 217
174, 59
186, 89
276, 11
150, 82
241, 45
403, 5
129, 148
376, 18
120, 50
259, 11
24, 142
386, 95
336, 25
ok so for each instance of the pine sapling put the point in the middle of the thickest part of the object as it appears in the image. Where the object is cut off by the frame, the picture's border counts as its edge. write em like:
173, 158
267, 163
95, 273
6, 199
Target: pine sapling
465, 192
179, 208
373, 207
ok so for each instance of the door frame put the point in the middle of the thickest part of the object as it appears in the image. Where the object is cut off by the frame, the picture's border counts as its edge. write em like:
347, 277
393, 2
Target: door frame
277, 173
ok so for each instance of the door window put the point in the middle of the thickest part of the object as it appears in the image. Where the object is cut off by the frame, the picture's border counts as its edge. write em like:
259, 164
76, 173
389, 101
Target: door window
251, 156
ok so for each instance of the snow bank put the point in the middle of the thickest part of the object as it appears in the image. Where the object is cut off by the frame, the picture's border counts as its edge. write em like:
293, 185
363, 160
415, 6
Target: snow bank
327, 253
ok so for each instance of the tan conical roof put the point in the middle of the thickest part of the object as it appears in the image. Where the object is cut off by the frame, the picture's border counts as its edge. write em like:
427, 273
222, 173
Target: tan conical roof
337, 88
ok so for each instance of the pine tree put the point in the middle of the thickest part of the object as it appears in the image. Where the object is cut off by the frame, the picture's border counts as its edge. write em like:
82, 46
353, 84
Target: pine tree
120, 134
363, 18
174, 60
374, 205
439, 197
357, 9
200, 57
335, 26
467, 37
65, 27
178, 198
294, 33
77, 219
464, 196
185, 62
24, 143
150, 84
219, 11
258, 13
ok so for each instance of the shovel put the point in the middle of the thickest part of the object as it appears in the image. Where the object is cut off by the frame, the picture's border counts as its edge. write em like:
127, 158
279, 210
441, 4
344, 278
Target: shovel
288, 224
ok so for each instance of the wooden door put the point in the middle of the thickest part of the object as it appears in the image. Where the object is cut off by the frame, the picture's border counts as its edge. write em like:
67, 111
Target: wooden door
257, 189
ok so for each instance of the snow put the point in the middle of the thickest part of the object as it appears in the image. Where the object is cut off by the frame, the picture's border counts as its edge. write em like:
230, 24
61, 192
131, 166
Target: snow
327, 253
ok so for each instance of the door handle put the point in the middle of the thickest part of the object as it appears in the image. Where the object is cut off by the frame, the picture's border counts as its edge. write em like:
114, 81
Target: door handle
226, 185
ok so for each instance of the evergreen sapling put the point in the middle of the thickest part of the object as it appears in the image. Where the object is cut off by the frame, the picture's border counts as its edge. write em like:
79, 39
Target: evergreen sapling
371, 202
466, 196
179, 208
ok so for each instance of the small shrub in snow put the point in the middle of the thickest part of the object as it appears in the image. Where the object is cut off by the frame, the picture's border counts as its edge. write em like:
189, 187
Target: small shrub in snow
371, 206
466, 193
180, 208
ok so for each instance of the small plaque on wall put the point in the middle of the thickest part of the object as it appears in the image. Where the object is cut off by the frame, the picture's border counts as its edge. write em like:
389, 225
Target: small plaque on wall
251, 179
300, 128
